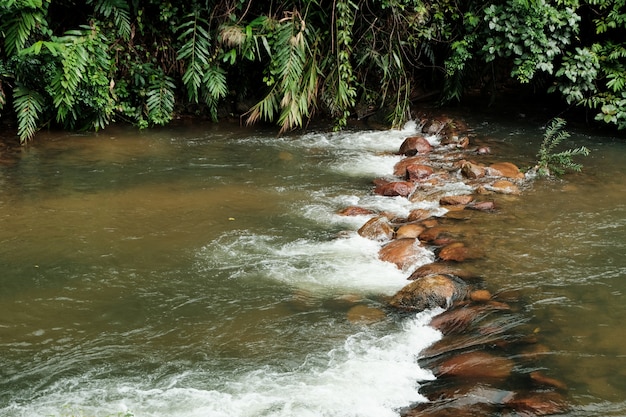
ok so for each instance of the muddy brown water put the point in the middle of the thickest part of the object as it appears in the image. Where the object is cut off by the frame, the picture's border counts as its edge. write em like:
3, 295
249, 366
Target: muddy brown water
202, 270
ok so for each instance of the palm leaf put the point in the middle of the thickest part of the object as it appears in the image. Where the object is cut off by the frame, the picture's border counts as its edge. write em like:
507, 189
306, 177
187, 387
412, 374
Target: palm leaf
28, 105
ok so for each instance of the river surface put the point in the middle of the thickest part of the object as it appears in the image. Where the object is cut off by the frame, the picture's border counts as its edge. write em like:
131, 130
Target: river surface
202, 270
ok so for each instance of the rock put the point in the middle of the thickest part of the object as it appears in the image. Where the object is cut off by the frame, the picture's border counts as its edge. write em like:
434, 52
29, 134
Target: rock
430, 292
429, 235
457, 252
504, 187
471, 170
456, 320
482, 206
418, 215
409, 231
365, 315
539, 403
399, 170
456, 200
475, 365
355, 211
483, 150
416, 172
480, 295
505, 169
540, 379
377, 228
415, 145
394, 189
434, 126
401, 252
439, 268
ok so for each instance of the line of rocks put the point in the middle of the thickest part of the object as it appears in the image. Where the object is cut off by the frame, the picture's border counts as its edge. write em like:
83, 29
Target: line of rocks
486, 362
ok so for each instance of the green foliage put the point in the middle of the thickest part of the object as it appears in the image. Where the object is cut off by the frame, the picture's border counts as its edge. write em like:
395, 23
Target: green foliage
531, 32
28, 106
293, 76
340, 95
84, 65
160, 100
551, 162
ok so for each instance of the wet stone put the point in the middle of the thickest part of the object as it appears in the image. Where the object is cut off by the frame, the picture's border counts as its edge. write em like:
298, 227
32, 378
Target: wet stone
377, 228
401, 252
415, 145
355, 211
430, 292
410, 231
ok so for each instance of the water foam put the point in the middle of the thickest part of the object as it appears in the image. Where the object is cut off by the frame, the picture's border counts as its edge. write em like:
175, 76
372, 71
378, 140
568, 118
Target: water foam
369, 376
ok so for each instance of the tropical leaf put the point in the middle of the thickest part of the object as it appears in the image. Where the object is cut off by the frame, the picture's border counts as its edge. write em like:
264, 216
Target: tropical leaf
120, 11
195, 52
160, 100
28, 105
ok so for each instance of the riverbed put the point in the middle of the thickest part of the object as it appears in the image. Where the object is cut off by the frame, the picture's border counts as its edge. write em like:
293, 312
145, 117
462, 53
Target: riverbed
204, 270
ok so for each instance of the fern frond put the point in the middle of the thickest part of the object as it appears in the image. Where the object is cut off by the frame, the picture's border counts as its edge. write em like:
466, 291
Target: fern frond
215, 87
196, 52
120, 11
160, 100
28, 105
18, 29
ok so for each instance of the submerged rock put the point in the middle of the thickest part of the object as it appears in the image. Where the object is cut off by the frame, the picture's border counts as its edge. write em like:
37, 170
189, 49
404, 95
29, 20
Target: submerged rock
458, 252
475, 365
430, 292
362, 314
504, 187
539, 403
505, 169
355, 211
410, 231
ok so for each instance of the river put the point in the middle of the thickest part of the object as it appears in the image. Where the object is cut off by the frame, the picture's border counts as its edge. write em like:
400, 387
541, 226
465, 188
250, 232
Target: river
203, 270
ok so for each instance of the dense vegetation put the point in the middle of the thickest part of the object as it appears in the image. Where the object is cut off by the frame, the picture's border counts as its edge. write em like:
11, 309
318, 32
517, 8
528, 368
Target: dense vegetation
86, 64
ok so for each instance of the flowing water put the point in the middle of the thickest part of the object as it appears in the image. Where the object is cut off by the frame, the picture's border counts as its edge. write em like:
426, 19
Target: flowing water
203, 270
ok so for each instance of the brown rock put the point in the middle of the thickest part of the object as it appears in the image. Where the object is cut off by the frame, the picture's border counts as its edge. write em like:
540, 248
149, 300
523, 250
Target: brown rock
416, 172
539, 403
471, 170
456, 200
414, 145
394, 189
365, 315
429, 292
418, 215
543, 380
505, 187
505, 169
401, 252
456, 320
429, 235
409, 231
377, 228
456, 251
480, 295
399, 170
439, 268
475, 365
355, 211
482, 206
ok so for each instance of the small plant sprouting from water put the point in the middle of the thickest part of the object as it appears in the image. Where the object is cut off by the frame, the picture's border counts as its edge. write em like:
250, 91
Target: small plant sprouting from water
550, 162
